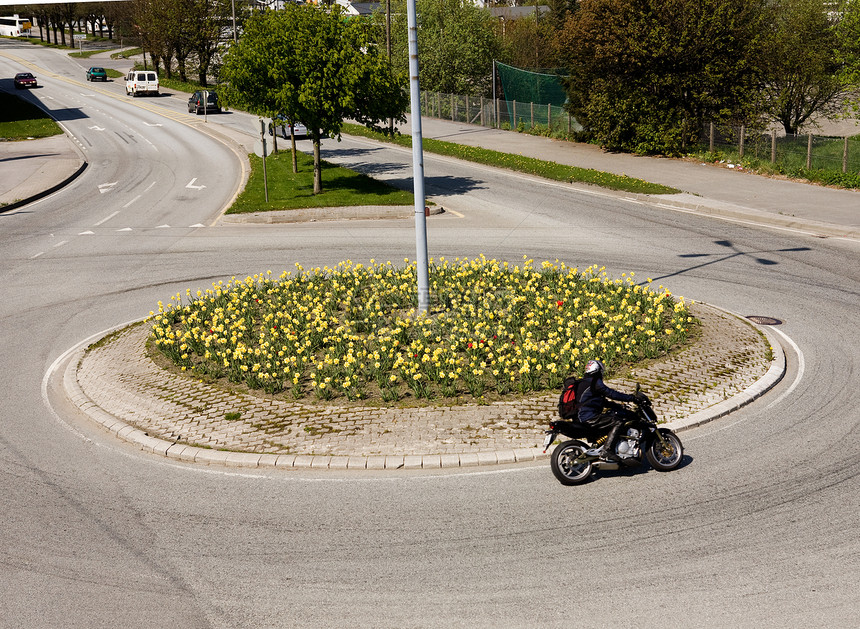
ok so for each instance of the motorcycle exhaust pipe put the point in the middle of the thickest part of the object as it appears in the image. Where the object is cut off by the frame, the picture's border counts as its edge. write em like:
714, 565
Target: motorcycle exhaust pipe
606, 465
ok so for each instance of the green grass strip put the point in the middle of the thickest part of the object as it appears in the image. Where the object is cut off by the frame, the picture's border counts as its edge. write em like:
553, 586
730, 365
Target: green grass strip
288, 191
520, 163
20, 120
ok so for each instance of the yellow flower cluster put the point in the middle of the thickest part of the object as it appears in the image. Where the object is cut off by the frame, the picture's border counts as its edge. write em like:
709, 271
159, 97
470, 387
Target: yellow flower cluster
353, 331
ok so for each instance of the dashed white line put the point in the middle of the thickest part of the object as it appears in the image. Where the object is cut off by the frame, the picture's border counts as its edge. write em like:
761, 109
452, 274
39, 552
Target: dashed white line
107, 218
130, 202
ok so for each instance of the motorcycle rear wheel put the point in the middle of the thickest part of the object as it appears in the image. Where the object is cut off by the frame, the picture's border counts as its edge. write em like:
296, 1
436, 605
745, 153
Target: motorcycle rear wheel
562, 463
665, 458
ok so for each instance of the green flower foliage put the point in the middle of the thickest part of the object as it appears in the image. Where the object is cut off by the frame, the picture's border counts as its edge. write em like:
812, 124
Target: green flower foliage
352, 331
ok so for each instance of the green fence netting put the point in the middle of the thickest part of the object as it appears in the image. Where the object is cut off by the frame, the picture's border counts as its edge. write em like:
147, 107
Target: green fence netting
521, 87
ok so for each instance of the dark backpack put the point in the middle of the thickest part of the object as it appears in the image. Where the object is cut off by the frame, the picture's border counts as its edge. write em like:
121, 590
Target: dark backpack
571, 393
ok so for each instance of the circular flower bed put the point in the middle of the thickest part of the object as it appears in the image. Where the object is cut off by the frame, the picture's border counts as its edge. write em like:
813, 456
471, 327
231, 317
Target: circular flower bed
352, 331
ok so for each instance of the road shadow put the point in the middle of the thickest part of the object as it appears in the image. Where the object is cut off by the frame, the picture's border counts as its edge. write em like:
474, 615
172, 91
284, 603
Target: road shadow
729, 251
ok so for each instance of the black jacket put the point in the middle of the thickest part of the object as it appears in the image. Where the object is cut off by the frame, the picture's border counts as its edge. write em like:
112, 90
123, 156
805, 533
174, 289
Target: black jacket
592, 397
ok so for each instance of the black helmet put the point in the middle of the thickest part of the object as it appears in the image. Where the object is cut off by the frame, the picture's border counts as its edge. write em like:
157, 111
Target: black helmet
594, 367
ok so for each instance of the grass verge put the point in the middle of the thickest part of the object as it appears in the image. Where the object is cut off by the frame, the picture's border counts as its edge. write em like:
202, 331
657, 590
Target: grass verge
520, 163
288, 191
21, 120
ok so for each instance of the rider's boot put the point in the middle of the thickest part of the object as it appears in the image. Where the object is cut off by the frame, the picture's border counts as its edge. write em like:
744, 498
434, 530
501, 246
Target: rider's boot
607, 453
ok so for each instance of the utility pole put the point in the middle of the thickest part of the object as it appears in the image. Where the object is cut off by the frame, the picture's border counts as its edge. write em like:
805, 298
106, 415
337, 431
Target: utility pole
422, 262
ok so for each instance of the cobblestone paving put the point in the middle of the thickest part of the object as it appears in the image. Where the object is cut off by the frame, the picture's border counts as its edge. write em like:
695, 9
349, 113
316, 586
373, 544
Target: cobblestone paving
118, 377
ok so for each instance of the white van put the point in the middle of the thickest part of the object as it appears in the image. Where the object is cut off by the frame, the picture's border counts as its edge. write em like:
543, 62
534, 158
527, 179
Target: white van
141, 82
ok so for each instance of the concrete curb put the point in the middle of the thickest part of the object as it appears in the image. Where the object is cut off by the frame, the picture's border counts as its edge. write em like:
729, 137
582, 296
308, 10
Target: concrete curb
311, 215
193, 454
41, 195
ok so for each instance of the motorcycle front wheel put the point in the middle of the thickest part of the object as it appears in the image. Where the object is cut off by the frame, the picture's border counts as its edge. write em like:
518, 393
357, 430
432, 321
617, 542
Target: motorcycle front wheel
665, 456
564, 465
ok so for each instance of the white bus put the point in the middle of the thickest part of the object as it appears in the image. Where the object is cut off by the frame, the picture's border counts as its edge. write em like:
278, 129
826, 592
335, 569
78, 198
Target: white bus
15, 26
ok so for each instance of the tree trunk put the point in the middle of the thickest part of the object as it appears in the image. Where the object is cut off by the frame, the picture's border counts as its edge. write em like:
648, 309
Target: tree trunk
317, 163
293, 147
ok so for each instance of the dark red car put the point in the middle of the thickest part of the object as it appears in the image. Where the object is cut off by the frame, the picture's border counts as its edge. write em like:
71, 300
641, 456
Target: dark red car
24, 79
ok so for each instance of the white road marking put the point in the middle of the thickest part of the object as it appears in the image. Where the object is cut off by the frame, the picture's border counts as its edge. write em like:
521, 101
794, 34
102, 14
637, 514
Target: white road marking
192, 186
149, 187
130, 202
801, 367
61, 243
107, 187
107, 218
125, 229
86, 233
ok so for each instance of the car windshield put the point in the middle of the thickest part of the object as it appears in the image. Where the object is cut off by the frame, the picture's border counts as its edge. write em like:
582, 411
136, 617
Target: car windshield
99, 70
24, 75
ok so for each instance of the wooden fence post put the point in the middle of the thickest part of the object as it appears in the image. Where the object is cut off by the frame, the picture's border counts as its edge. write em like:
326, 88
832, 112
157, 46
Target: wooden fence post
549, 118
809, 152
845, 156
453, 108
741, 147
514, 123
482, 111
711, 146
532, 112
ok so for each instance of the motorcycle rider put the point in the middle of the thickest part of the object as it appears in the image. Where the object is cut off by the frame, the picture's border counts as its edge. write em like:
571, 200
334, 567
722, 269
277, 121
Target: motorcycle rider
592, 402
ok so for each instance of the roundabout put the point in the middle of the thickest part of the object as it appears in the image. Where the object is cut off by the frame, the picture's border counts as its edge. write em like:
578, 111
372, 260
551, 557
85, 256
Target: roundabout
757, 528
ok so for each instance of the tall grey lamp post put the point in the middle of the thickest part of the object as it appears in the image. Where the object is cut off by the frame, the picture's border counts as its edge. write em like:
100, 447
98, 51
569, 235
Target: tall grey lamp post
418, 164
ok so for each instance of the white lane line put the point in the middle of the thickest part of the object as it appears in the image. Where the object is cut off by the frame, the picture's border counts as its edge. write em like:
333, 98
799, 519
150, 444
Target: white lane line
61, 243
130, 202
106, 219
801, 367
37, 255
149, 187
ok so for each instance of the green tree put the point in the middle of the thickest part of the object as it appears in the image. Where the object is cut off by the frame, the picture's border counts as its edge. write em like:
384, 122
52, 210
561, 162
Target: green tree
803, 71
457, 43
528, 42
848, 49
314, 66
646, 74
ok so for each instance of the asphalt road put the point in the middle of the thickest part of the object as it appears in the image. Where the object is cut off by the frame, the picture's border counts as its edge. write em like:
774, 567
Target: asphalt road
757, 529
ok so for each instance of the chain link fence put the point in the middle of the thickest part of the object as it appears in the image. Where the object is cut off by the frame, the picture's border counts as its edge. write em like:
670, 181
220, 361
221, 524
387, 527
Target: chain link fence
792, 152
499, 113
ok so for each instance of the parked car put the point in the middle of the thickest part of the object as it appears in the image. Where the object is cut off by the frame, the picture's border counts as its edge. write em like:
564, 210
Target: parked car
141, 82
204, 101
282, 128
24, 79
96, 74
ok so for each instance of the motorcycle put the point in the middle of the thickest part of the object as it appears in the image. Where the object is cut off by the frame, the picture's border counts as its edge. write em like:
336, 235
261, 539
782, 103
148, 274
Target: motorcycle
638, 439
